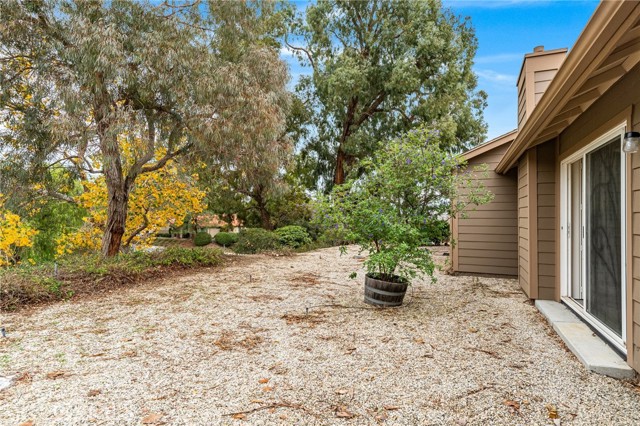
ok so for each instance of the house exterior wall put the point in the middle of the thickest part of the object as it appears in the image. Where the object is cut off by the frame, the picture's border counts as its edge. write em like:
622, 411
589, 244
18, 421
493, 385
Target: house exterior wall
486, 239
619, 104
546, 220
523, 224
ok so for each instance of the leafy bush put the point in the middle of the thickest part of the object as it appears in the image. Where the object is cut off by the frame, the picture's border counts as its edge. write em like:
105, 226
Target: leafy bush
202, 239
391, 208
255, 240
226, 239
437, 232
293, 236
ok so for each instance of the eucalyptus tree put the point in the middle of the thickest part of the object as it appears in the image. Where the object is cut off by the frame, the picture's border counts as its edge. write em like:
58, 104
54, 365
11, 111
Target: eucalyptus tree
80, 80
380, 68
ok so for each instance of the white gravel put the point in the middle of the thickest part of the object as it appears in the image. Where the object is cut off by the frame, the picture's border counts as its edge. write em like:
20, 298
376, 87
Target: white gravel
195, 349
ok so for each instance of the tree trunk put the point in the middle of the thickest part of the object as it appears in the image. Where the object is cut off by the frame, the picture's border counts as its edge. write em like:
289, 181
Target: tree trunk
338, 177
116, 220
261, 203
265, 217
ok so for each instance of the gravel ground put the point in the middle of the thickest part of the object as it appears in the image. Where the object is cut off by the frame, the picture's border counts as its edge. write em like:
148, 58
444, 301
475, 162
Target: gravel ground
234, 346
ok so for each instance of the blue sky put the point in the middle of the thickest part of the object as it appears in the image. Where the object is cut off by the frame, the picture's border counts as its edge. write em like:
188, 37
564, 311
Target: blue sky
506, 30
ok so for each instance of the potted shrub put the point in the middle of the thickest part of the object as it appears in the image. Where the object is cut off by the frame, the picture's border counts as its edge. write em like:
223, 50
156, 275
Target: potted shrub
403, 195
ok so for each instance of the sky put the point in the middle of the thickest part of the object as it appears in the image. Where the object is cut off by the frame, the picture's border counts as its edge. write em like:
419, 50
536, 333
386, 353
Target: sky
506, 30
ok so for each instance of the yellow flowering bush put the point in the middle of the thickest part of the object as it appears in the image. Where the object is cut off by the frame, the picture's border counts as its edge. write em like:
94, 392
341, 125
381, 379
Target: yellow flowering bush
13, 234
158, 199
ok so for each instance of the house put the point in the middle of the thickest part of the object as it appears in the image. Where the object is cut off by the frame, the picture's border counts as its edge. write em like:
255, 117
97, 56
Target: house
565, 218
212, 223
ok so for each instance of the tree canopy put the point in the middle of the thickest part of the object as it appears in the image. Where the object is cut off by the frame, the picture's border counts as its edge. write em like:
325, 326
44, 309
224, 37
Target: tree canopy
79, 78
381, 68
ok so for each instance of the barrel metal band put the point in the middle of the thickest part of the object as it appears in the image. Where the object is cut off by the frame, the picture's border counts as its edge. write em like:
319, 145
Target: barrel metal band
381, 302
384, 293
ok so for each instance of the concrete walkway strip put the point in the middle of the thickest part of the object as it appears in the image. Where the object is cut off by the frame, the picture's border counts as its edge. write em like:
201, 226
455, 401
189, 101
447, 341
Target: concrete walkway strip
587, 346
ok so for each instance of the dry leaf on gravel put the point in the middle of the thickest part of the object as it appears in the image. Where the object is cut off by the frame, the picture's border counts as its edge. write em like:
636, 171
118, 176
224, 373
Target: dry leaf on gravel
514, 405
94, 392
152, 419
239, 416
552, 411
263, 381
391, 407
344, 414
267, 389
56, 374
27, 423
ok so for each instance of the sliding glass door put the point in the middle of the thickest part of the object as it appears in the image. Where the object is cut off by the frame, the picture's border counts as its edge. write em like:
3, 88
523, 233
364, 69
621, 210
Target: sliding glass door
604, 234
593, 240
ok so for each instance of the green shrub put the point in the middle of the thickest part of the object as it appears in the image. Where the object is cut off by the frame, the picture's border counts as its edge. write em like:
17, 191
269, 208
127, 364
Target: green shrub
226, 239
293, 236
202, 239
254, 240
180, 256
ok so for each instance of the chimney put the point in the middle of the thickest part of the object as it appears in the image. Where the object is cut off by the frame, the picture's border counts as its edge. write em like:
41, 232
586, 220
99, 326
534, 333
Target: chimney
538, 69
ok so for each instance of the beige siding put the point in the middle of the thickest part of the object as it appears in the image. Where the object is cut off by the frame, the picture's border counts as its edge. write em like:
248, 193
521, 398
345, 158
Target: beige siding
546, 182
542, 80
635, 245
523, 223
522, 108
487, 237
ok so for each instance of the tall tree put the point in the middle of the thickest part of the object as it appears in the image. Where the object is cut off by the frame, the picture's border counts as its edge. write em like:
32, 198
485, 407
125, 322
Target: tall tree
381, 68
79, 77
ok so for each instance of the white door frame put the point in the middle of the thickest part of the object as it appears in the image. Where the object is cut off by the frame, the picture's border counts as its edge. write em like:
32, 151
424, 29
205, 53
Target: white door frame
565, 255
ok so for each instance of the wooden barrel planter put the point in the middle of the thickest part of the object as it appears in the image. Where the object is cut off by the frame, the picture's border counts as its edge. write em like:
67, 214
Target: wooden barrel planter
383, 293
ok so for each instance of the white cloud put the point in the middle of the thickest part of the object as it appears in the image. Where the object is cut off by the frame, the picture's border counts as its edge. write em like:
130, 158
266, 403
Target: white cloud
286, 51
496, 77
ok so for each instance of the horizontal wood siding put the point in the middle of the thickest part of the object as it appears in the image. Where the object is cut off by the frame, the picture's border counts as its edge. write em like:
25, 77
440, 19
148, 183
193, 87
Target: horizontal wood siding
546, 220
523, 223
486, 238
635, 244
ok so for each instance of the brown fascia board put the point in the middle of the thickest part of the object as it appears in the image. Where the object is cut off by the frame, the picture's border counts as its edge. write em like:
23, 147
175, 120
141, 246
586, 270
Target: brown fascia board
608, 24
490, 145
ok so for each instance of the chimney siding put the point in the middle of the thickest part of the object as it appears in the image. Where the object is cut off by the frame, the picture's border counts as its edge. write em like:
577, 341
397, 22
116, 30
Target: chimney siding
538, 69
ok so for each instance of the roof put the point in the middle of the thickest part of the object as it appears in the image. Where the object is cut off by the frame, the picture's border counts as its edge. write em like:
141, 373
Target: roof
608, 47
490, 145
208, 220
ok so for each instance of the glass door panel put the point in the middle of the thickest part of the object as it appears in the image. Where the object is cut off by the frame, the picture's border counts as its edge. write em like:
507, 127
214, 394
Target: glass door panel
576, 231
603, 237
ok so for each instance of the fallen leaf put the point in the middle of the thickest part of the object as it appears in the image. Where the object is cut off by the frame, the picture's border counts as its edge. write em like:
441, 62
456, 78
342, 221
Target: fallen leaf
344, 414
382, 417
473, 330
419, 340
342, 391
349, 351
552, 410
239, 416
267, 389
27, 423
94, 392
263, 381
151, 419
257, 401
56, 374
515, 405
283, 417
391, 407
